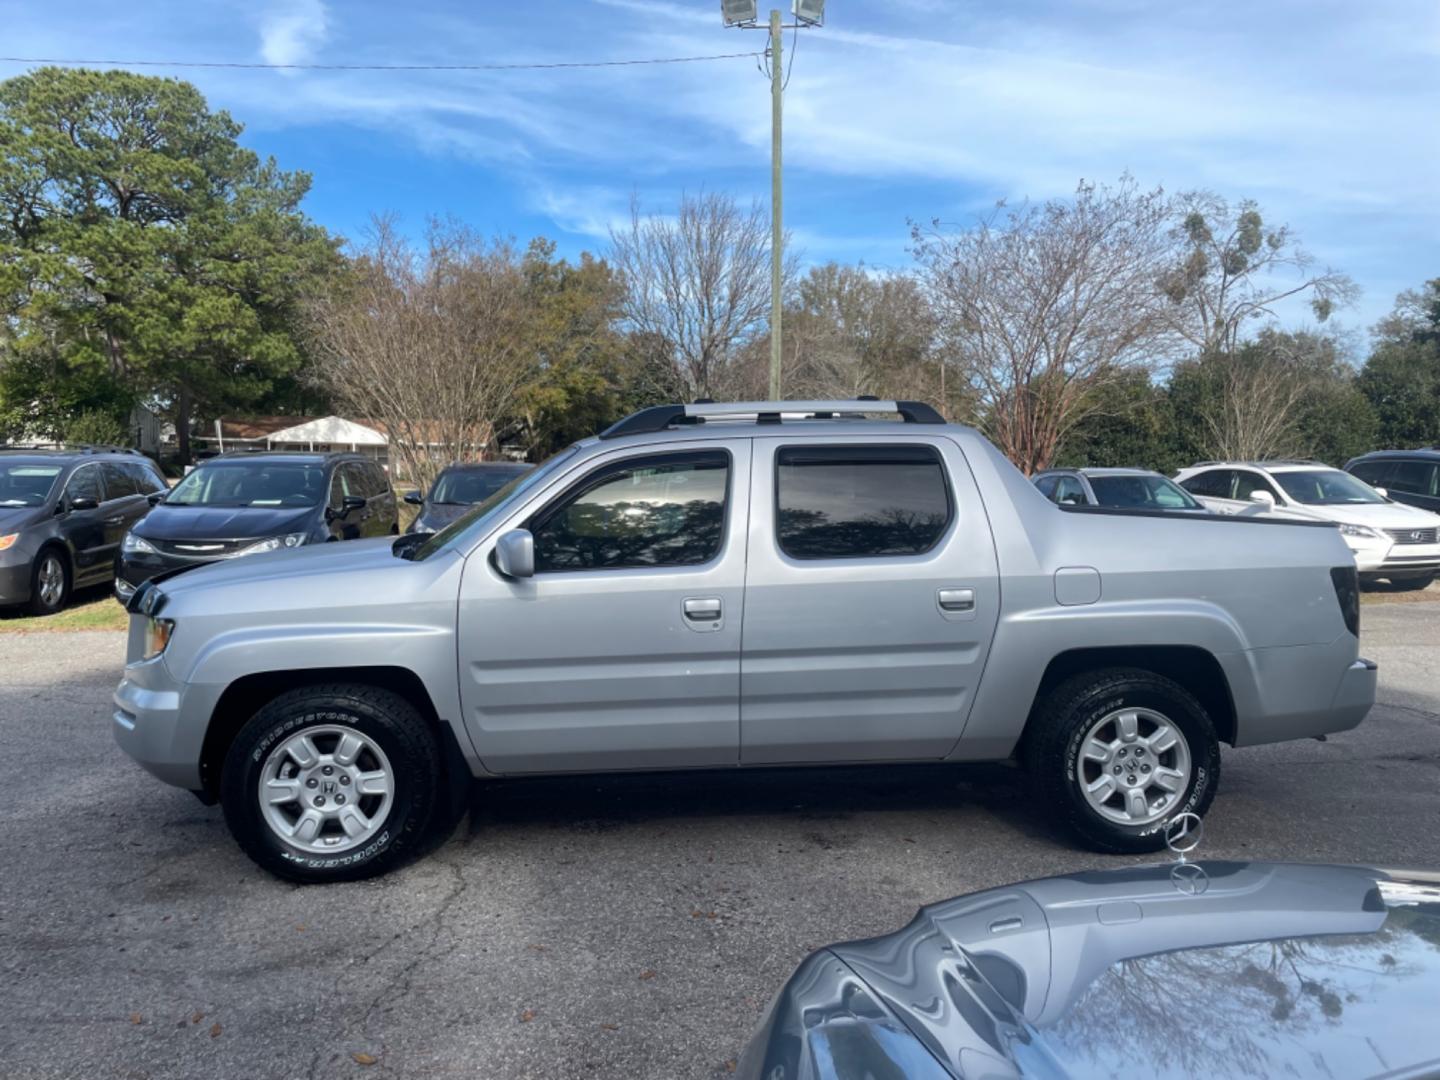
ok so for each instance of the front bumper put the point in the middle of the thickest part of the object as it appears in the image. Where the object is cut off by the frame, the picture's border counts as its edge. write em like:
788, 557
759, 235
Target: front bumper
1380, 557
14, 581
147, 722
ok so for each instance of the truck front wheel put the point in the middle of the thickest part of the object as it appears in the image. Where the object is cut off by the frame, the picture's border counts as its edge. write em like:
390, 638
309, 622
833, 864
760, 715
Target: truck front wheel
331, 783
1117, 754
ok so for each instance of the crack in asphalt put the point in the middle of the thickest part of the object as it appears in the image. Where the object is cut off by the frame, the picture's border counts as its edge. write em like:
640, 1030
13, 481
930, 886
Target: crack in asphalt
397, 987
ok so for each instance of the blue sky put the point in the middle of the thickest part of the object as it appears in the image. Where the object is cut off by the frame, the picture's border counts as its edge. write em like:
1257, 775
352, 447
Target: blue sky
1325, 111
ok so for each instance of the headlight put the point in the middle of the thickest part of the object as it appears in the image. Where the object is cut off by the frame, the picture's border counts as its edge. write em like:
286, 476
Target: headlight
133, 543
7, 541
1358, 530
274, 543
157, 636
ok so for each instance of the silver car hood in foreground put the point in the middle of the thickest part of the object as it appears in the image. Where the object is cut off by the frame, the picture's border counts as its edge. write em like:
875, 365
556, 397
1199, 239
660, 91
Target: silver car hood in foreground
1199, 969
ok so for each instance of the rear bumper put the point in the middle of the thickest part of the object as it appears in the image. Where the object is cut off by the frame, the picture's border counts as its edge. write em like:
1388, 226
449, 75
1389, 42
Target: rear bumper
1297, 693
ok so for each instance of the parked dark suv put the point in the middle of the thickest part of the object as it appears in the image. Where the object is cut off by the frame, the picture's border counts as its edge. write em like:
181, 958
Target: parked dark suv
1408, 476
458, 488
62, 516
250, 502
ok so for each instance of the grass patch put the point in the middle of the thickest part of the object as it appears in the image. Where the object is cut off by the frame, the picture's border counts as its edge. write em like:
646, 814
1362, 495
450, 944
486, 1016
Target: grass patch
89, 609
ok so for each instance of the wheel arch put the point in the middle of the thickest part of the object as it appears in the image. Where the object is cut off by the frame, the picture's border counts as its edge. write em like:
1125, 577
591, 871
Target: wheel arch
245, 696
1194, 668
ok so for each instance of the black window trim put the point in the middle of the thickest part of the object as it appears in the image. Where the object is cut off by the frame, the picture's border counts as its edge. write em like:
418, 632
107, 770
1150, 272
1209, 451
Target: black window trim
950, 515
584, 484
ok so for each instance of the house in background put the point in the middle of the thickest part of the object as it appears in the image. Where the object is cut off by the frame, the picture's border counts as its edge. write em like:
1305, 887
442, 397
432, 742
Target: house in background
309, 433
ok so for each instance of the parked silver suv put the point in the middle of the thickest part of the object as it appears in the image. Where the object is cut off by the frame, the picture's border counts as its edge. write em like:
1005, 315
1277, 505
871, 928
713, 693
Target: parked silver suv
712, 586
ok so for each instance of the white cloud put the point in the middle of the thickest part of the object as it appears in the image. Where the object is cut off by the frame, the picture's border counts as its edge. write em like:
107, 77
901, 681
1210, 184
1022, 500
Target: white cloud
292, 30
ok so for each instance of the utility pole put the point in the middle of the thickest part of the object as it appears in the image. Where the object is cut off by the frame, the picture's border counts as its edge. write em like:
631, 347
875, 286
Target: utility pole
777, 227
745, 15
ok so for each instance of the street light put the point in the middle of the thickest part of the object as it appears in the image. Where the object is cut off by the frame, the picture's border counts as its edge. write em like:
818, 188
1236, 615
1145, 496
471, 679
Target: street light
738, 12
744, 14
809, 12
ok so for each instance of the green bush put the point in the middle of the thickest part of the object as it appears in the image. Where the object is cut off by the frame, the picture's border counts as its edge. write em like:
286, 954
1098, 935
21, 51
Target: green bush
96, 428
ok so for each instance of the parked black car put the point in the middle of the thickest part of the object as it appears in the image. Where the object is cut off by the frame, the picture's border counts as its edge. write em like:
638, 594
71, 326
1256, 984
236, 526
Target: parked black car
62, 516
249, 502
458, 488
1408, 476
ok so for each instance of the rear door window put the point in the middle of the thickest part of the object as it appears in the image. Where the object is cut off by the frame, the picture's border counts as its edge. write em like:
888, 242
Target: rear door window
146, 479
851, 502
119, 484
1411, 477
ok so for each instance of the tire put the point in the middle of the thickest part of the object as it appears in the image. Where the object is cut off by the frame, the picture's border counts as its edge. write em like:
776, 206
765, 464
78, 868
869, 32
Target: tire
394, 742
48, 562
1412, 584
1097, 703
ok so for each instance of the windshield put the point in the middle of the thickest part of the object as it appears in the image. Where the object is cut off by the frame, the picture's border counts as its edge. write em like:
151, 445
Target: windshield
26, 485
251, 483
1327, 487
480, 514
1152, 492
466, 487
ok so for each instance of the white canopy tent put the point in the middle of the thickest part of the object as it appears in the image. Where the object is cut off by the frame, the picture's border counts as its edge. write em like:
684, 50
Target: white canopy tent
334, 432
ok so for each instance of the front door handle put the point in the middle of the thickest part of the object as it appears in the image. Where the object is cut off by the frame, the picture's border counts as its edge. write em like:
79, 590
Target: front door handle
957, 599
115, 521
703, 608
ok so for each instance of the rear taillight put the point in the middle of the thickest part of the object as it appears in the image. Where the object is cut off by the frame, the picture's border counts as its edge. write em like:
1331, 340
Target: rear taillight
1347, 590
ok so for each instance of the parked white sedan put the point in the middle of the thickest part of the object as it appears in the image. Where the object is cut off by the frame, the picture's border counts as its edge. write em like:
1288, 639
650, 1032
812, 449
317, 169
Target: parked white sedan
1389, 540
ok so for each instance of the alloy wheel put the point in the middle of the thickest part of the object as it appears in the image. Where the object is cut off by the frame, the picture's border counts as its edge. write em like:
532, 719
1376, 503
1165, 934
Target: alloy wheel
1134, 766
326, 789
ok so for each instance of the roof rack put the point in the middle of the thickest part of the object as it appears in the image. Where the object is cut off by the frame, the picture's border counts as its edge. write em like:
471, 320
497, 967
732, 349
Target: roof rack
71, 448
660, 417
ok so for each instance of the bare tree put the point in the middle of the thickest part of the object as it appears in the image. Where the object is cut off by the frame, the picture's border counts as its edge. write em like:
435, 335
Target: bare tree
429, 343
1253, 403
850, 330
1040, 306
697, 285
1229, 269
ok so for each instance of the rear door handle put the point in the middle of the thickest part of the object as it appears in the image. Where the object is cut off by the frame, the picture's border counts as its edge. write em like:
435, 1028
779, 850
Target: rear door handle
957, 599
703, 608
115, 521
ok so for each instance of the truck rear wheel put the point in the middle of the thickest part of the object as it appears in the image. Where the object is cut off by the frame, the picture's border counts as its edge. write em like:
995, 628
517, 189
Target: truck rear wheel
331, 783
1115, 755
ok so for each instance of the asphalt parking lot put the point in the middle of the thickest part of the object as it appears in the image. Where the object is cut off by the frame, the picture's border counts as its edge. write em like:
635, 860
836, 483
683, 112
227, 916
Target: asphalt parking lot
623, 927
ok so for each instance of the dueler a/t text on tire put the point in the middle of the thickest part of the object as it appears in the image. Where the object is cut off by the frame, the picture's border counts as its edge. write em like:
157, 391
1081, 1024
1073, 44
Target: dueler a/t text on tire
1115, 755
332, 783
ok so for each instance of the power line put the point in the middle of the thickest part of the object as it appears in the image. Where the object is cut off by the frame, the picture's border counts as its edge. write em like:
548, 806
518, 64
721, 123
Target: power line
374, 67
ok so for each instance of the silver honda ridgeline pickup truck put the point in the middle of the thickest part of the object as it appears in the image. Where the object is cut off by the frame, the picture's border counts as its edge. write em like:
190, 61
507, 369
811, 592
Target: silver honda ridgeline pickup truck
764, 583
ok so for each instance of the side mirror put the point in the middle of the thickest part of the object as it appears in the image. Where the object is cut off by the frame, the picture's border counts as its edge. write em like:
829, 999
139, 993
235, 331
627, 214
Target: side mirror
414, 498
155, 498
1262, 497
84, 502
1382, 493
515, 554
352, 502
